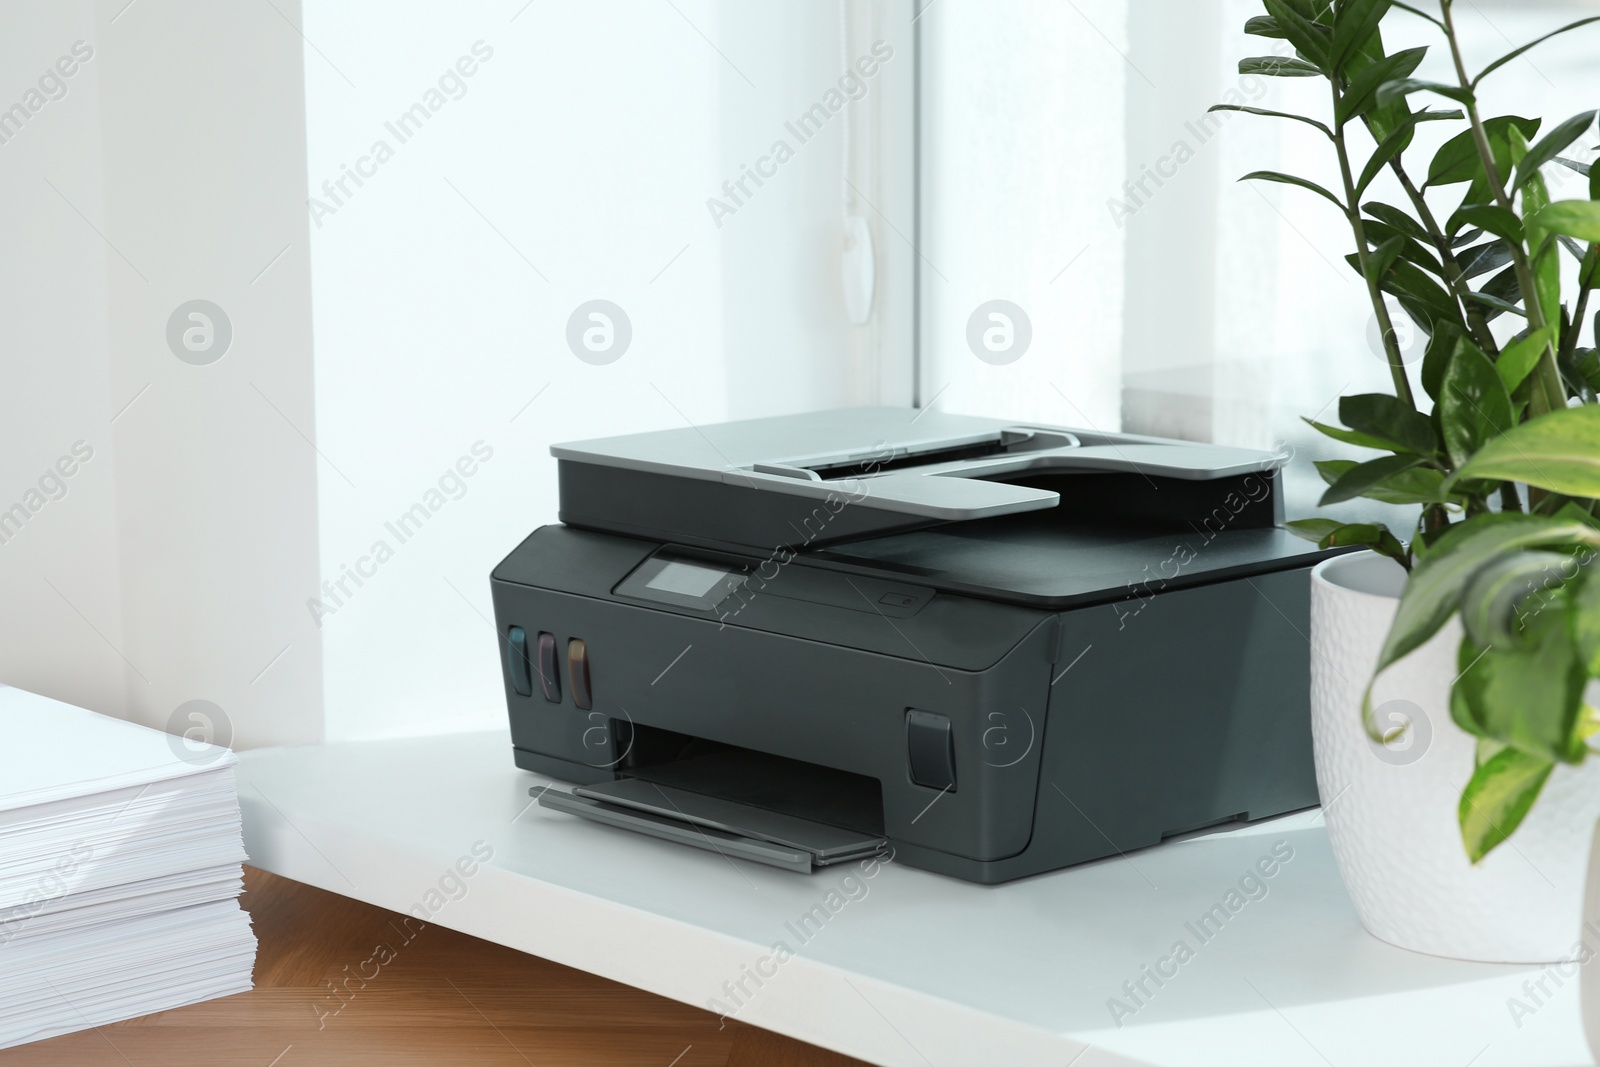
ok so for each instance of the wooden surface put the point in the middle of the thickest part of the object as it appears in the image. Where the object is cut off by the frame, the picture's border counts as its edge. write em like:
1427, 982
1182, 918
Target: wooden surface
413, 994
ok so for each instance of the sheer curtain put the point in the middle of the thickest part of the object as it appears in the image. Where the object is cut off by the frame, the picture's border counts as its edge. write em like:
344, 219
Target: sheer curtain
1197, 306
1023, 112
644, 161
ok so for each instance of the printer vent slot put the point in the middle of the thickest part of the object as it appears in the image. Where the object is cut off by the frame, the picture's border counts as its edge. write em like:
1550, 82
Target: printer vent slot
756, 779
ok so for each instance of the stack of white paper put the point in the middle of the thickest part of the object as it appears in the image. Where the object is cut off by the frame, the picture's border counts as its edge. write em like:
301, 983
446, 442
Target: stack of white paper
120, 855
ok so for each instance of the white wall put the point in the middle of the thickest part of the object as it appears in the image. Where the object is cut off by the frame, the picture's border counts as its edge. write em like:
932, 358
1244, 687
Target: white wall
59, 575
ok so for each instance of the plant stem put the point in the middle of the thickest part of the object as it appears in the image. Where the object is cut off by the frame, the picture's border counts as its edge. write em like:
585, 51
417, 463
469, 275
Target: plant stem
1548, 391
1569, 342
1454, 275
1391, 346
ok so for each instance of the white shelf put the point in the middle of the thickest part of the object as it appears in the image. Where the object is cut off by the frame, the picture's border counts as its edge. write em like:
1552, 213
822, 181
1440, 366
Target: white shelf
918, 970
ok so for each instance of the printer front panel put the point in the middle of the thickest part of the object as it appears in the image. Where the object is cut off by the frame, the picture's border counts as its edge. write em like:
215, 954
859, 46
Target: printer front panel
949, 755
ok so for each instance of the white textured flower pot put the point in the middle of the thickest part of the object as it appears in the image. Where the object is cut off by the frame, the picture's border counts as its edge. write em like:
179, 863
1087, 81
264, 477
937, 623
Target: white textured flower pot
1391, 809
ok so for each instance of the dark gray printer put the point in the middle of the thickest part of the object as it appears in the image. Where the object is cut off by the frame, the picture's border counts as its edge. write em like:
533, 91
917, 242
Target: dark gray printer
997, 648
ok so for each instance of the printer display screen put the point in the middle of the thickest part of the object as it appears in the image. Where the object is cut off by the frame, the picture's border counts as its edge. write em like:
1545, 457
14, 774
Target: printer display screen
669, 578
687, 579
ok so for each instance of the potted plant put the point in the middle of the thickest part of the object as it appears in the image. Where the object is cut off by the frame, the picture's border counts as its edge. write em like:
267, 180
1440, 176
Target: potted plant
1450, 663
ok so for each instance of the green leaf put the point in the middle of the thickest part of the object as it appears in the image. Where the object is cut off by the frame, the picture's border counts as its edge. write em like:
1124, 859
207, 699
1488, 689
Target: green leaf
1481, 259
1457, 159
1278, 67
1419, 485
1397, 424
1585, 621
1381, 258
1496, 304
1390, 215
1478, 192
1410, 249
1584, 367
1332, 469
1433, 593
1364, 476
1309, 39
1575, 218
1290, 179
1502, 292
1355, 21
1474, 406
1497, 798
1424, 299
1264, 26
1391, 147
1518, 358
1502, 599
1572, 164
1416, 485
1349, 437
1375, 536
1313, 529
1571, 510
1497, 220
1441, 346
1551, 145
1272, 114
1384, 119
1546, 259
1395, 90
1396, 142
1362, 91
1527, 695
1559, 452
1514, 53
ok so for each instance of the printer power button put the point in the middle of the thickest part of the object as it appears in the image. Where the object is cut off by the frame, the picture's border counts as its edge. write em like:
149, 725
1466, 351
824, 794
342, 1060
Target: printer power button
931, 750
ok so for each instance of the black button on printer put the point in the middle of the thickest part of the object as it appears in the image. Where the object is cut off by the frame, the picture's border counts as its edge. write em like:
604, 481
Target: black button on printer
517, 661
931, 749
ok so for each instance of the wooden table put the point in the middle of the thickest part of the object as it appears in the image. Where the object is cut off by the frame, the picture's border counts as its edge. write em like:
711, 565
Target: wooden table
431, 996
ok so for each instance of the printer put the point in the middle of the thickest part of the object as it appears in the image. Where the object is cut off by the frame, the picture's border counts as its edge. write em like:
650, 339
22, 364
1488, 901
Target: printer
997, 648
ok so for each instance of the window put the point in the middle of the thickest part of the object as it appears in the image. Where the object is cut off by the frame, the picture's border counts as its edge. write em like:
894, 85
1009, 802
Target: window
1075, 138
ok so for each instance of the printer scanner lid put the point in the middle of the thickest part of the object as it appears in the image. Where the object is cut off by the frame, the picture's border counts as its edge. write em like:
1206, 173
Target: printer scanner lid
1009, 510
931, 465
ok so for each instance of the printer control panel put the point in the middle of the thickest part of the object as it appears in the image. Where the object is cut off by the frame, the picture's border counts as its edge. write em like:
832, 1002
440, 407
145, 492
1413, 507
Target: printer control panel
717, 584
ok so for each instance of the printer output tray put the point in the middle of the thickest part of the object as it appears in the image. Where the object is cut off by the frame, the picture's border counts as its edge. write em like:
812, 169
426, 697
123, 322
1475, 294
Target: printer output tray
712, 823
